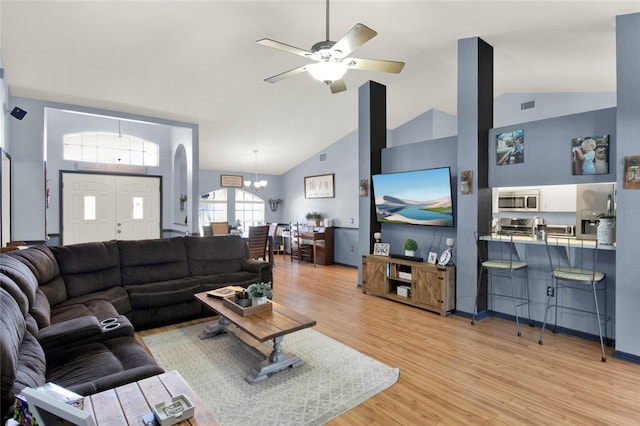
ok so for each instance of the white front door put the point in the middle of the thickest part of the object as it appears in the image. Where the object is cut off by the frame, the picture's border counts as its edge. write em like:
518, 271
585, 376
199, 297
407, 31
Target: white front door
98, 207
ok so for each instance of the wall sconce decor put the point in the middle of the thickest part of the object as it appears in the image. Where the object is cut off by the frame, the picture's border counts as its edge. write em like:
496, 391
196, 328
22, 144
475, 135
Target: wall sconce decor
466, 182
364, 188
273, 203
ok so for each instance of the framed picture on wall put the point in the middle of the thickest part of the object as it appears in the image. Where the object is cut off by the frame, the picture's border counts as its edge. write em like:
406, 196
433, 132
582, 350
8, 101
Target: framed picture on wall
590, 155
510, 148
231, 181
319, 186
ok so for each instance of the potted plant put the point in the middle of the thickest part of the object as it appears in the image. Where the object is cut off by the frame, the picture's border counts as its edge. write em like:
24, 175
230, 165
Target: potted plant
313, 218
410, 246
259, 293
606, 233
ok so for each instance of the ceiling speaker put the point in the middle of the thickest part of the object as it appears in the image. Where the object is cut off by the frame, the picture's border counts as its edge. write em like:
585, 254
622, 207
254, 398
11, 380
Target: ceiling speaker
18, 113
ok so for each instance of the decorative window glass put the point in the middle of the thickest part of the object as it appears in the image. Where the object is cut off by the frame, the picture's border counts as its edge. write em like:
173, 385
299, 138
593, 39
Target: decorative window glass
110, 148
138, 208
212, 208
89, 207
249, 209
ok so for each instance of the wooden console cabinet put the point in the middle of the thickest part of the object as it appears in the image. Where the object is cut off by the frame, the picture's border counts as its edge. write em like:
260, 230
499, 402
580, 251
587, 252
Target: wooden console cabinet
427, 286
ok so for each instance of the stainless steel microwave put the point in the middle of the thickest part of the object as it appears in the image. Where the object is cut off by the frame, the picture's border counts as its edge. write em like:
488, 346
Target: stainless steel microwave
519, 201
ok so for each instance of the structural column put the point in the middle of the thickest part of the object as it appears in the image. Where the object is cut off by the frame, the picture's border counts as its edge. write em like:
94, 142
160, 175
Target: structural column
475, 119
372, 139
627, 141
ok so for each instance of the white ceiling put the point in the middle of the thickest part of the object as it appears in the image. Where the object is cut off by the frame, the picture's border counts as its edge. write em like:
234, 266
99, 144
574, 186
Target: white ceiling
198, 62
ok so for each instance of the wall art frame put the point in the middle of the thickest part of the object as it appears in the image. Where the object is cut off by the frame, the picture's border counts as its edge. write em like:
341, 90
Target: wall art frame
231, 181
319, 186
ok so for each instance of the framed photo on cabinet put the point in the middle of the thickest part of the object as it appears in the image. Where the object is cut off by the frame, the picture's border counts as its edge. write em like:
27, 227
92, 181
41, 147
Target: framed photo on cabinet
381, 249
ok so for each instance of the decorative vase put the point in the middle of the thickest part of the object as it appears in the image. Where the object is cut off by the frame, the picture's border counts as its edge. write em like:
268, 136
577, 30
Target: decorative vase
258, 300
606, 231
409, 253
245, 303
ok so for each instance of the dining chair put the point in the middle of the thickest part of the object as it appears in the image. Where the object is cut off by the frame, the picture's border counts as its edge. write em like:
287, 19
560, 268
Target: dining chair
219, 228
574, 266
502, 263
300, 250
257, 241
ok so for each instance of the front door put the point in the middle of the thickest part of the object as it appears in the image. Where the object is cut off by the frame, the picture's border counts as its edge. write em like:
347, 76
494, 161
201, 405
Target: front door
100, 207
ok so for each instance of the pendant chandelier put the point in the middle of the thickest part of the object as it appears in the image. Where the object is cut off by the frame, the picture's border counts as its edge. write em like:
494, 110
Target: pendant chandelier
256, 185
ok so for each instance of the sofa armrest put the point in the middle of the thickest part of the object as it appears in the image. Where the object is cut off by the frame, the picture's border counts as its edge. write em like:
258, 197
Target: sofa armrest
253, 265
73, 330
259, 267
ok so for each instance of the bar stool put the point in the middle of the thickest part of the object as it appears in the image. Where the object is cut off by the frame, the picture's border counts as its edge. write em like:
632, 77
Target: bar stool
578, 273
503, 265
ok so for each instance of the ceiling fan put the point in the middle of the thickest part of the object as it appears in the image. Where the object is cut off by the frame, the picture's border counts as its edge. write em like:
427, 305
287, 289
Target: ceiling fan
331, 58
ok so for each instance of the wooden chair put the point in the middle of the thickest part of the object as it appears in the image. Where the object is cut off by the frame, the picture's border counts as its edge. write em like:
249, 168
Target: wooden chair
299, 249
257, 242
219, 228
207, 231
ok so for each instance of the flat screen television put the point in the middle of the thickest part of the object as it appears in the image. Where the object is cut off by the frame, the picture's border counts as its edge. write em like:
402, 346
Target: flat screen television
418, 197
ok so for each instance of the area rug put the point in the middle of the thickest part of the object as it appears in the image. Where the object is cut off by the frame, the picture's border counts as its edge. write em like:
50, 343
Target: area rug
334, 378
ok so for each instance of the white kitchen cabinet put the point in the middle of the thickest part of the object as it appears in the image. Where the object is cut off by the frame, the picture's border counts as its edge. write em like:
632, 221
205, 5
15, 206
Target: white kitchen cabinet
558, 198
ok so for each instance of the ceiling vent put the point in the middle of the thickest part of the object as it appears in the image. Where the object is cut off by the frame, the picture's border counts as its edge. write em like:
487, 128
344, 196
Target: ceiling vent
323, 157
527, 105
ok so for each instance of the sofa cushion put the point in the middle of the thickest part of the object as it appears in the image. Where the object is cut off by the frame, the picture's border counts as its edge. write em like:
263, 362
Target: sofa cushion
22, 359
148, 261
21, 275
15, 292
121, 360
88, 267
162, 293
99, 309
116, 296
215, 255
243, 279
44, 266
41, 310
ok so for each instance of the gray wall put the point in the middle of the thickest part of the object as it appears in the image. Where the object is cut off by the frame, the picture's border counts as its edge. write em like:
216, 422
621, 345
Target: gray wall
547, 150
341, 158
26, 146
416, 156
628, 212
433, 124
210, 181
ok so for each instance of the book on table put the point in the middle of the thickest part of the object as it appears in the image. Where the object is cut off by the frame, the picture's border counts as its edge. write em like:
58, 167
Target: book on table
228, 291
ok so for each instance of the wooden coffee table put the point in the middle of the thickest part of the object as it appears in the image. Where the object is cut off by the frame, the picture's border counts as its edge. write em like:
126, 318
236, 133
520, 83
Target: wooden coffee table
271, 325
127, 404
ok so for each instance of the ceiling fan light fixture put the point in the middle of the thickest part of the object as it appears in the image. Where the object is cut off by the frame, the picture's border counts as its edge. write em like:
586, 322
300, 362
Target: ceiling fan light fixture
327, 71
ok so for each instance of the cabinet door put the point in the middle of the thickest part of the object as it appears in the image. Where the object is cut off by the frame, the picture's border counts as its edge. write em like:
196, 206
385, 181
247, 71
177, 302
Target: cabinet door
373, 276
427, 288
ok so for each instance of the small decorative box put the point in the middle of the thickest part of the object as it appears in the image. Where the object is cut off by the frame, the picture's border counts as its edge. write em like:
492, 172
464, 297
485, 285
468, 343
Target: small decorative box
179, 409
249, 310
403, 290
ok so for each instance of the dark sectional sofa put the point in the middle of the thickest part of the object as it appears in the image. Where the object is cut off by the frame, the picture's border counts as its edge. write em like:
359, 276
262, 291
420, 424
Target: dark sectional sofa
68, 313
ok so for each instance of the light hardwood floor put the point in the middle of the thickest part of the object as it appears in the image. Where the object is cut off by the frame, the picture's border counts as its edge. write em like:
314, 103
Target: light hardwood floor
453, 373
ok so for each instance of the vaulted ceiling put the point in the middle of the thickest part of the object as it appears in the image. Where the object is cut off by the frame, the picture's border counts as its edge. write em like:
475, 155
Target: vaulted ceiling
198, 62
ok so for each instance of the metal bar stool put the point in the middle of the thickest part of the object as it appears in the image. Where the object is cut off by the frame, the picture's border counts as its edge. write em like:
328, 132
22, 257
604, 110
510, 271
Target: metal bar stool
577, 273
503, 265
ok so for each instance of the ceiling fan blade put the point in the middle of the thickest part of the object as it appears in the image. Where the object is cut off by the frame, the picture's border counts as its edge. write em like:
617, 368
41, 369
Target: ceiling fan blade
286, 74
337, 86
374, 65
356, 37
282, 46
